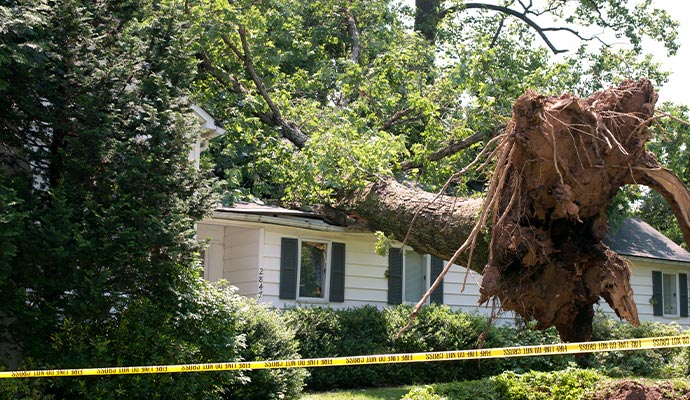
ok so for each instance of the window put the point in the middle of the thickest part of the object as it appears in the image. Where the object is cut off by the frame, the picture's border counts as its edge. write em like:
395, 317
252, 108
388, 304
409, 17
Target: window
414, 276
312, 269
670, 294
410, 275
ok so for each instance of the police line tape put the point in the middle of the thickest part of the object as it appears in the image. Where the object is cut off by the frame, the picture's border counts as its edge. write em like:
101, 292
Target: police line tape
522, 351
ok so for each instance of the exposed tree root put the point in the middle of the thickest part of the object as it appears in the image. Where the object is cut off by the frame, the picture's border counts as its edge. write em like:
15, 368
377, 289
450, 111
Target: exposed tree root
547, 260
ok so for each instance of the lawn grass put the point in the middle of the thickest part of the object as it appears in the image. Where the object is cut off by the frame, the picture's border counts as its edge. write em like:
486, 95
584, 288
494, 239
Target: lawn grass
392, 393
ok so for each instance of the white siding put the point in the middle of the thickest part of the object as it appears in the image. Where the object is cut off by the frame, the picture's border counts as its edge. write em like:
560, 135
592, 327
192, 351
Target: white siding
242, 261
641, 282
214, 252
252, 254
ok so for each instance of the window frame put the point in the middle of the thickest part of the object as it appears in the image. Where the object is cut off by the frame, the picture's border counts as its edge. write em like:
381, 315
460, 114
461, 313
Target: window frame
676, 294
327, 278
426, 270
681, 298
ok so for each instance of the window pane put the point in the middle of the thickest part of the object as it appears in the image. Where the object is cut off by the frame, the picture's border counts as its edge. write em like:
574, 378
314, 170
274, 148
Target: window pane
670, 298
415, 269
312, 274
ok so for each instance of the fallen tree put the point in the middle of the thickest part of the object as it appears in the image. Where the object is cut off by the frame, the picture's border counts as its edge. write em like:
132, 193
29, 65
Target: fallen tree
557, 168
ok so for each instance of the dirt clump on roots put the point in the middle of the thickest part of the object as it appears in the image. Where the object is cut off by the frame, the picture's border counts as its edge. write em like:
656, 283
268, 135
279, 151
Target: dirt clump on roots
634, 390
561, 163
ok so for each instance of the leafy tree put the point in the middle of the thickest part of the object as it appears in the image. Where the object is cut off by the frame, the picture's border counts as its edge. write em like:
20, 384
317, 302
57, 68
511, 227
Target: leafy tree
99, 199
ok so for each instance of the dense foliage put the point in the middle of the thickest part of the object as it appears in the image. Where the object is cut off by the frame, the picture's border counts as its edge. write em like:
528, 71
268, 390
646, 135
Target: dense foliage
361, 95
326, 332
99, 263
98, 198
268, 336
660, 363
571, 384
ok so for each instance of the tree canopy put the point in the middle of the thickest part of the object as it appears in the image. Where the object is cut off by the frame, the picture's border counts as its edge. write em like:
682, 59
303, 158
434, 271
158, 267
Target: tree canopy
320, 97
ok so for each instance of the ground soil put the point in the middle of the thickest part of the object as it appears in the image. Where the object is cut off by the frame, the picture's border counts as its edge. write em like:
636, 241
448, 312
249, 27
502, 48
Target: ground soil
635, 390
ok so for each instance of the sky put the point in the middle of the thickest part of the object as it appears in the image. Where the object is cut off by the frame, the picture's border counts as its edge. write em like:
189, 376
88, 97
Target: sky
678, 87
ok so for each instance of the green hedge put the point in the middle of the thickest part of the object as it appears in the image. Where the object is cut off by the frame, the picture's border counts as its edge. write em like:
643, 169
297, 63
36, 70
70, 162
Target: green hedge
326, 332
655, 363
212, 324
267, 337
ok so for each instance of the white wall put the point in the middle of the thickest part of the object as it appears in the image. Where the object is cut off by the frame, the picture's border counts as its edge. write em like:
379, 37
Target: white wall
242, 258
252, 253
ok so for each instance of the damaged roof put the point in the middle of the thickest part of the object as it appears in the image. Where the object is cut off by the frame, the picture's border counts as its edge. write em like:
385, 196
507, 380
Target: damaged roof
632, 237
638, 239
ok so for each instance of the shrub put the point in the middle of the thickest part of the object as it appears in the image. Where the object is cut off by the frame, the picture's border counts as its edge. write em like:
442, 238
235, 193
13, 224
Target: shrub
569, 384
523, 335
658, 363
423, 393
268, 338
202, 328
482, 389
436, 328
325, 332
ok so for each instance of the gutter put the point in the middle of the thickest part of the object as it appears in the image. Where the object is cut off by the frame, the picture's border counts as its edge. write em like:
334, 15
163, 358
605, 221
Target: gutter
268, 219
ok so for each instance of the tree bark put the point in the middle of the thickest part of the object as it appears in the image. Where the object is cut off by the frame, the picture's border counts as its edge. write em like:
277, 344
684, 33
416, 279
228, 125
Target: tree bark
427, 17
429, 223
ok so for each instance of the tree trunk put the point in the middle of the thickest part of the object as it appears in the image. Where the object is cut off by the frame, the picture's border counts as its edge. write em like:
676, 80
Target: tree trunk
559, 166
426, 18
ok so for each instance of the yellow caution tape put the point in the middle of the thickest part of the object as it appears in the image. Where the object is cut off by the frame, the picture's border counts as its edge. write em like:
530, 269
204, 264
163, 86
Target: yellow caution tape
523, 351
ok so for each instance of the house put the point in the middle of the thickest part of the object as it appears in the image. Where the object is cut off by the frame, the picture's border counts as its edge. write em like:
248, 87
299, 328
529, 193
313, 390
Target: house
659, 272
294, 258
290, 258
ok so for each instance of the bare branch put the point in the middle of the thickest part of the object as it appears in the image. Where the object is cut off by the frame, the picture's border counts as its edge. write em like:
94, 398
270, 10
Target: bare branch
524, 17
354, 34
452, 148
290, 130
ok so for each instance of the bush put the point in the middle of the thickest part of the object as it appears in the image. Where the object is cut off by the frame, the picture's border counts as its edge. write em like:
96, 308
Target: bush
523, 335
268, 338
325, 332
482, 389
656, 363
569, 384
423, 393
202, 328
436, 328
209, 324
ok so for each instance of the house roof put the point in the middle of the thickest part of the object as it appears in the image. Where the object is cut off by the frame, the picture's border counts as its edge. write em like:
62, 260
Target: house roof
266, 214
263, 209
638, 239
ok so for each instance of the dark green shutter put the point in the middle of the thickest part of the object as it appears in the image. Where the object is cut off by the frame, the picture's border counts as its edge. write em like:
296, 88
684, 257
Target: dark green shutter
683, 286
395, 263
657, 293
288, 268
436, 268
337, 291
